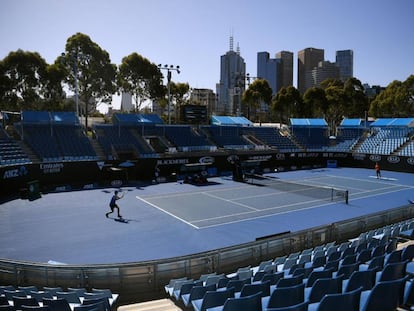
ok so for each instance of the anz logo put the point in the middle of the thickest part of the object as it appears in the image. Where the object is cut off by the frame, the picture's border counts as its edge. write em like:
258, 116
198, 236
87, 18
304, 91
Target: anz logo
393, 159
14, 173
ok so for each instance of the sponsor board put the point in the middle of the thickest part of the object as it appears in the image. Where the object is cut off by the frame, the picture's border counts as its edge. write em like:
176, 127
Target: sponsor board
116, 183
206, 160
15, 172
51, 168
393, 159
375, 157
172, 161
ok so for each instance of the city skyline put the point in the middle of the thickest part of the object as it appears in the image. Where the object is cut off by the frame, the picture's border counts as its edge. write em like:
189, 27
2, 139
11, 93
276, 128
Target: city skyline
194, 35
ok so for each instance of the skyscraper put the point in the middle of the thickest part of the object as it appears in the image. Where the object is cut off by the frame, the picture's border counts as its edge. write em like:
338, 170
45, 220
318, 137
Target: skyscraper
345, 62
232, 82
324, 70
286, 69
268, 69
277, 71
307, 60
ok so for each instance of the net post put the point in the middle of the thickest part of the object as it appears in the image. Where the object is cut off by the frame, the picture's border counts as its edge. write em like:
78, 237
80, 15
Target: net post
346, 196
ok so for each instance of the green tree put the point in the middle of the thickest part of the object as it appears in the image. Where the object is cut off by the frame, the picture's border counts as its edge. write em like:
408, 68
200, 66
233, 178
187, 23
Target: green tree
315, 101
179, 94
336, 100
257, 92
397, 100
96, 75
288, 103
357, 103
23, 76
138, 76
54, 99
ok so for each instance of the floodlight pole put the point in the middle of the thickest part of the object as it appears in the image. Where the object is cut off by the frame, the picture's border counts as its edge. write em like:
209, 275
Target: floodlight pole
169, 68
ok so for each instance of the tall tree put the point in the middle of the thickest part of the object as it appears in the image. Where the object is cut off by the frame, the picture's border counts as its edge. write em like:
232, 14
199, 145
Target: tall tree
315, 101
141, 78
23, 76
54, 97
397, 100
180, 93
288, 103
258, 92
90, 66
356, 100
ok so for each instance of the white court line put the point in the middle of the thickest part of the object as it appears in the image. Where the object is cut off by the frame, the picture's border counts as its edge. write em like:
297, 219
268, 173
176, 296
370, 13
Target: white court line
168, 213
230, 201
383, 178
267, 215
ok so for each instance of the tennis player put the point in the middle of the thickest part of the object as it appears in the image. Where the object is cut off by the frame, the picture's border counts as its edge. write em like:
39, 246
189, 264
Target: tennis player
113, 204
378, 170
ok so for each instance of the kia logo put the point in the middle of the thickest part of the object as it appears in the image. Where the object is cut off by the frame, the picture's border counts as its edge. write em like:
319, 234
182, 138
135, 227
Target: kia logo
375, 157
393, 159
116, 183
410, 161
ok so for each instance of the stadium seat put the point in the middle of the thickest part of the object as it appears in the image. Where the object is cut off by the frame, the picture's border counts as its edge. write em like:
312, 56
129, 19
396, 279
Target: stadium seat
284, 297
212, 299
59, 304
387, 295
364, 279
245, 303
348, 301
322, 287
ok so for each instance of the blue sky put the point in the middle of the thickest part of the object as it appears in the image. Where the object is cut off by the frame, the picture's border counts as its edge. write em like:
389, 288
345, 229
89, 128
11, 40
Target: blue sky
194, 34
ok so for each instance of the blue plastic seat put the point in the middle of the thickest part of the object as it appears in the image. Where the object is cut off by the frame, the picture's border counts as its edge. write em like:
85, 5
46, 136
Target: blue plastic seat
196, 292
71, 297
213, 299
284, 297
303, 306
273, 278
384, 296
322, 287
408, 253
59, 304
246, 303
348, 301
251, 289
18, 302
392, 271
317, 274
290, 281
364, 279
346, 270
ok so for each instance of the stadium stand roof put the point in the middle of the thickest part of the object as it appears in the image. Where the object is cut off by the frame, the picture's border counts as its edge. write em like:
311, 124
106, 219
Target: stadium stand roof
352, 123
226, 120
134, 119
45, 117
308, 122
393, 122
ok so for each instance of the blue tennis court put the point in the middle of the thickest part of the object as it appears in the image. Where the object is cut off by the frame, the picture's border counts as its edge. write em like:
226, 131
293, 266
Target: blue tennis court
176, 219
219, 205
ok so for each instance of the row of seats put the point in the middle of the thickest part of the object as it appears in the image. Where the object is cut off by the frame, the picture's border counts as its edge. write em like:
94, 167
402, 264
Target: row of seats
69, 143
55, 299
10, 152
358, 275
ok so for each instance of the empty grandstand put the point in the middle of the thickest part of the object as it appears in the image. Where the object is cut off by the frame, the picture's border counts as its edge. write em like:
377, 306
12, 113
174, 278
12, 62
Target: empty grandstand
53, 151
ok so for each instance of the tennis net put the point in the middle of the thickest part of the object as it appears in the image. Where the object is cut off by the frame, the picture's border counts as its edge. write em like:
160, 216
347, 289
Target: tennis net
312, 191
